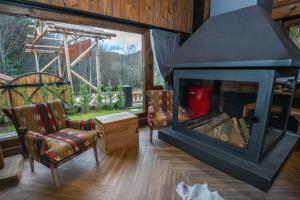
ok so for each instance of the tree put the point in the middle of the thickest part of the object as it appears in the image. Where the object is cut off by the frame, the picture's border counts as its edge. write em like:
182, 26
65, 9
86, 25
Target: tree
99, 98
45, 93
85, 98
120, 96
13, 31
110, 95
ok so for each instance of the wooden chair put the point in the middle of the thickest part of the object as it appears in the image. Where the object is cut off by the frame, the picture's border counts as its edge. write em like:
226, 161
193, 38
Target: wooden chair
48, 137
160, 110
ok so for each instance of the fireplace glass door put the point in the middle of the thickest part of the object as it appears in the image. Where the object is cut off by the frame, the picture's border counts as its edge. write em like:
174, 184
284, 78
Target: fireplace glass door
218, 109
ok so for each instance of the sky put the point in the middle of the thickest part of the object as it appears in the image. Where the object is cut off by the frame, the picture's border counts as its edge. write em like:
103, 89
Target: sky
123, 39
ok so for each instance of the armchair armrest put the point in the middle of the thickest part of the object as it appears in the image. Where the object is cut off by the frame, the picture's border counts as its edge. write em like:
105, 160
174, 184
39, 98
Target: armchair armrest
35, 143
150, 117
85, 125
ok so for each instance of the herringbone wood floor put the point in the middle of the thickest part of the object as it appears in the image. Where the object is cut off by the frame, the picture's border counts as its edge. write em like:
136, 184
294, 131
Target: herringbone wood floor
150, 172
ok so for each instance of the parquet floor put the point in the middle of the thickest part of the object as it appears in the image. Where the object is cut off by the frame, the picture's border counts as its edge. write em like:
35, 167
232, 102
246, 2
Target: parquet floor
150, 172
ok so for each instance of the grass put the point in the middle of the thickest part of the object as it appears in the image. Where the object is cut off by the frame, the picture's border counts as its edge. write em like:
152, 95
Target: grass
93, 114
7, 127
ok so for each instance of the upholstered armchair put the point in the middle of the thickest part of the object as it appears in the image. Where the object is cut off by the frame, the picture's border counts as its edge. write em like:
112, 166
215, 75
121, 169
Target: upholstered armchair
160, 110
48, 137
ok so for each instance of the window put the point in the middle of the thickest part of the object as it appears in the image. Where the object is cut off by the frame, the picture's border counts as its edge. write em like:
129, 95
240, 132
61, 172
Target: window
120, 57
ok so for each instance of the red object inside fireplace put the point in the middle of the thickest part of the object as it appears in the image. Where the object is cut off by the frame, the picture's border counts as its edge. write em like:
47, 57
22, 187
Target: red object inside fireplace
199, 101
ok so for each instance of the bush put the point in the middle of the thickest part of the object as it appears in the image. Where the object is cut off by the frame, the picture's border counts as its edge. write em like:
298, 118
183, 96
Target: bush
26, 97
56, 92
45, 92
3, 104
85, 98
121, 96
71, 109
99, 98
110, 95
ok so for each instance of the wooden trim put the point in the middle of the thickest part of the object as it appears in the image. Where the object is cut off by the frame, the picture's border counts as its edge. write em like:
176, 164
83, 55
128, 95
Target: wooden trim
11, 9
206, 12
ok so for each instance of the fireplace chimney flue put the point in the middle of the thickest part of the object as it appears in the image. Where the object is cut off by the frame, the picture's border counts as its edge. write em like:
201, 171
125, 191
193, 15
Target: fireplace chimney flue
223, 6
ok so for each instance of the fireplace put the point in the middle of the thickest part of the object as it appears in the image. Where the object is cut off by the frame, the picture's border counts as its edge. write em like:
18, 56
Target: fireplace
235, 112
227, 77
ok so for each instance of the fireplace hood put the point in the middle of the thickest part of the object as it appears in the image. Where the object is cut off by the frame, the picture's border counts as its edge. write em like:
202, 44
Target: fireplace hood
245, 37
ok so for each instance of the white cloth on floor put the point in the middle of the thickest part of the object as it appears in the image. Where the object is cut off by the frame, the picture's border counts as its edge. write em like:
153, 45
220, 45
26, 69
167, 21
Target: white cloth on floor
196, 192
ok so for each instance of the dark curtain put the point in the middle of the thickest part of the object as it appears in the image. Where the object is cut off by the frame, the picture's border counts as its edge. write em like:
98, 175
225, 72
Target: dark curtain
163, 44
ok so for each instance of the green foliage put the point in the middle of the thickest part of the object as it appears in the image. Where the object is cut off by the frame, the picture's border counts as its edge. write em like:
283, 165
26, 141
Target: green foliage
26, 97
99, 98
56, 92
13, 31
110, 95
71, 109
120, 96
294, 34
13, 65
3, 102
85, 98
45, 92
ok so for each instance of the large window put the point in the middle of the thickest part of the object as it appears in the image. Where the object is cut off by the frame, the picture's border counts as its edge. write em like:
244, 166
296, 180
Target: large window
118, 59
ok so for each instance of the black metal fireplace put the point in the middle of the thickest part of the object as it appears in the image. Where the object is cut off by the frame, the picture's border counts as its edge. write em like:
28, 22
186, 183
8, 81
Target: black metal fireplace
226, 77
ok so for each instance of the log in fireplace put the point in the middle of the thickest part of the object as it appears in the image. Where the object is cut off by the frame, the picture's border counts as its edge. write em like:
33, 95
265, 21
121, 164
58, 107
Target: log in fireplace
226, 76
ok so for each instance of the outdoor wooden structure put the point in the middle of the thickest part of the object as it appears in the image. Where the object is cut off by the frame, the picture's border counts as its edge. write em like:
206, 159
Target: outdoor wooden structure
70, 34
29, 85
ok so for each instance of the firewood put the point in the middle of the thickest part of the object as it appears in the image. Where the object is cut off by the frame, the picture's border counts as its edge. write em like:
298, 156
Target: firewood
216, 121
226, 130
245, 131
235, 137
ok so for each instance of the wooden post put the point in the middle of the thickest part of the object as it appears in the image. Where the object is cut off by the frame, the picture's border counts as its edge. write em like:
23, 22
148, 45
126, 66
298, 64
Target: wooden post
83, 80
37, 64
68, 63
49, 64
82, 55
2, 164
59, 65
98, 65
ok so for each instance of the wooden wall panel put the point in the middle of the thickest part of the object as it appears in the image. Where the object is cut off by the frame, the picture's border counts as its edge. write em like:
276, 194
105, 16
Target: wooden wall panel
169, 14
147, 11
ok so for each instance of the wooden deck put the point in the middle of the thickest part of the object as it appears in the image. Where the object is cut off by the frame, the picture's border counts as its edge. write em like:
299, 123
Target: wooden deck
150, 172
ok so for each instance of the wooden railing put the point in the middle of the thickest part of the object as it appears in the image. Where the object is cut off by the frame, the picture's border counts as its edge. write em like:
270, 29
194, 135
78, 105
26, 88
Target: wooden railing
137, 96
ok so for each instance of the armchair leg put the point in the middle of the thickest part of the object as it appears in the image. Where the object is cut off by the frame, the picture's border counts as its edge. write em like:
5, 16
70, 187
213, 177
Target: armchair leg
55, 177
151, 134
31, 161
96, 152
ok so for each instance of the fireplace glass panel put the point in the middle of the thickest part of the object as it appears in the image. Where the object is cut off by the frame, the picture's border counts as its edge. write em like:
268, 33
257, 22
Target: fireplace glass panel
279, 114
218, 110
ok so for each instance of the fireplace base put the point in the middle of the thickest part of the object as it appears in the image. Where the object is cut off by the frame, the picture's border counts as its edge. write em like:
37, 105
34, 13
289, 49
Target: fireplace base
260, 175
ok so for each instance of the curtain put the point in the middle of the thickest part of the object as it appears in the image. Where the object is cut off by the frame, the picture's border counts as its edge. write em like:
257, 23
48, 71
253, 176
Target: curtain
163, 44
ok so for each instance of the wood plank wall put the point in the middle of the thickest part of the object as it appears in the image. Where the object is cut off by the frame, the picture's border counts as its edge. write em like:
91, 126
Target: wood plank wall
175, 15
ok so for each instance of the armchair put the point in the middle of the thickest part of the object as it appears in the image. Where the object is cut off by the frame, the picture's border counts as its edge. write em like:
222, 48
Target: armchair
160, 110
48, 137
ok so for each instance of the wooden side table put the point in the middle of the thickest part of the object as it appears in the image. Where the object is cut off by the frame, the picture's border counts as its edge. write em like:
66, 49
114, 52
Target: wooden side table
117, 131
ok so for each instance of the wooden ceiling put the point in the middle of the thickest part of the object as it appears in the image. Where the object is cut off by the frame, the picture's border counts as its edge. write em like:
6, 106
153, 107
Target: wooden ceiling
283, 9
